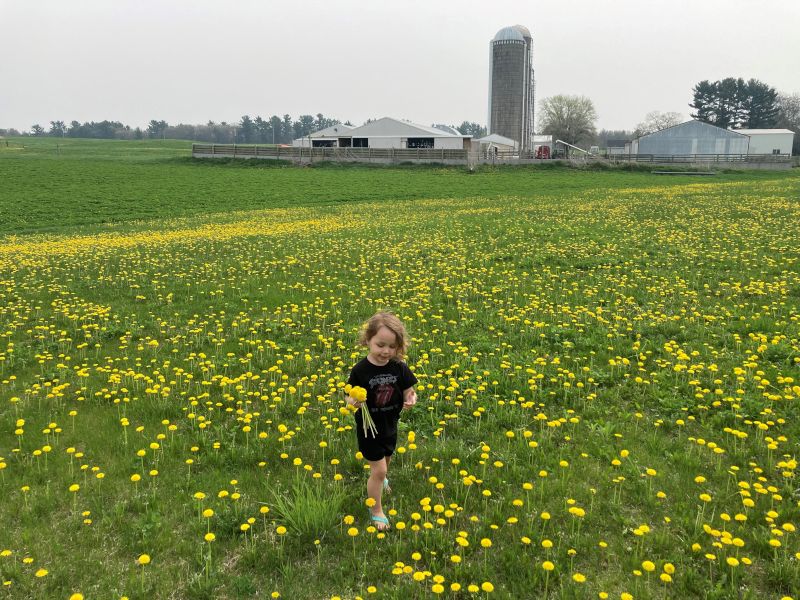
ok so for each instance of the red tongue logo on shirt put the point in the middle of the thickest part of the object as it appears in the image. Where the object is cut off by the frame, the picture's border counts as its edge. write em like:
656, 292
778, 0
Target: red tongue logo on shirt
383, 395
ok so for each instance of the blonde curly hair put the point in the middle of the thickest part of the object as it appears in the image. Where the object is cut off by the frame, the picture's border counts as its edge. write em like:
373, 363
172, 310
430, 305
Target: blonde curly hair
391, 322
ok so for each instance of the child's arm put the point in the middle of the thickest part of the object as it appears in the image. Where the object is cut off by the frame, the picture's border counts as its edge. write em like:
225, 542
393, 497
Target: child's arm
409, 398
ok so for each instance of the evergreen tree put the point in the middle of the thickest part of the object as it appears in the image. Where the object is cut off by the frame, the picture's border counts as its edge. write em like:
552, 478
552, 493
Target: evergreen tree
247, 130
760, 106
735, 103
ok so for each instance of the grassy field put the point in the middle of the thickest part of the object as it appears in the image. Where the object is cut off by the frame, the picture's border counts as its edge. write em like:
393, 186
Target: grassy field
608, 367
50, 184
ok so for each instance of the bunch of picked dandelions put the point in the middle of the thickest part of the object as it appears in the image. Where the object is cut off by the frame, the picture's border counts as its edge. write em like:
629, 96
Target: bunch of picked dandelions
359, 394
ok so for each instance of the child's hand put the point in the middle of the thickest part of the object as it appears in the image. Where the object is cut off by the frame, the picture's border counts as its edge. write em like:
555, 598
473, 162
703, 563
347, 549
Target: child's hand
352, 401
410, 399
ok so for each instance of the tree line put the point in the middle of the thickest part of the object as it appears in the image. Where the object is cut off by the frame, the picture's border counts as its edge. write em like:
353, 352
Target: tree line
248, 130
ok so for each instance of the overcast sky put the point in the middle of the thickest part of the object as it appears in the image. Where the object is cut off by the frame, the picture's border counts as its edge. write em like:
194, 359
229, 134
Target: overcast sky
192, 61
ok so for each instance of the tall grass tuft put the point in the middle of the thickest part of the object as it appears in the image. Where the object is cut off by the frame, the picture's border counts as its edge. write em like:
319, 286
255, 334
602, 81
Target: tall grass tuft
308, 510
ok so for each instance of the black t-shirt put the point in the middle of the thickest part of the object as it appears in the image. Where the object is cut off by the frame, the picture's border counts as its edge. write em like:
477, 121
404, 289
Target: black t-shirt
385, 386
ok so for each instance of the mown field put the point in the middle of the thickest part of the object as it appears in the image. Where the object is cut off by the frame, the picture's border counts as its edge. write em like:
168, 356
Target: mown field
608, 366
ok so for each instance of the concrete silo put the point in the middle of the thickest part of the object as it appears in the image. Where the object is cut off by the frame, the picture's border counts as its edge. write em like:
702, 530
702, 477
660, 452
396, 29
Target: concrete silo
511, 85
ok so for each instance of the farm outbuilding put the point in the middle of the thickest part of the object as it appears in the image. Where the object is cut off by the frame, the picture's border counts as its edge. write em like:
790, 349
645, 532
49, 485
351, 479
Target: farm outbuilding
324, 138
692, 137
497, 143
615, 147
769, 141
390, 133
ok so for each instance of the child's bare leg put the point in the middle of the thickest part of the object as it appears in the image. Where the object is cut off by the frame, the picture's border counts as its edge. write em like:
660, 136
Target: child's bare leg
377, 473
386, 488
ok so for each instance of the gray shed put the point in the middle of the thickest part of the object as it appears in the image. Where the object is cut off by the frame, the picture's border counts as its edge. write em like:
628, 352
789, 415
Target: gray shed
692, 137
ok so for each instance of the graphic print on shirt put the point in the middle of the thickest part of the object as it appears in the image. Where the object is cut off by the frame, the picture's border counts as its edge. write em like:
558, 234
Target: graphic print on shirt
383, 385
383, 395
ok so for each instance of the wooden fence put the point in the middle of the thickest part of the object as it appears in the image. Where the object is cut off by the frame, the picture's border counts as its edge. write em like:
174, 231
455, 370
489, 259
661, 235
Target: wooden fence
700, 158
433, 155
295, 153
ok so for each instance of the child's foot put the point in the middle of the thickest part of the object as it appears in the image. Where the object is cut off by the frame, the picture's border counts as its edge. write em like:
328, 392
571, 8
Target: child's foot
380, 521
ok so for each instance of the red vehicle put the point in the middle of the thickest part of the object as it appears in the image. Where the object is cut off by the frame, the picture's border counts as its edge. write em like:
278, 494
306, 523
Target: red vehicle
543, 152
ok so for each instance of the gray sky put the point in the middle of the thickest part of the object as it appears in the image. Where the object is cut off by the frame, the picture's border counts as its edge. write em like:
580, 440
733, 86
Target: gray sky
424, 60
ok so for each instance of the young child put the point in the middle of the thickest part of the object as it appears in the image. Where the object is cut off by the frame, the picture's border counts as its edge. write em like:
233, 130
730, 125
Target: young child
390, 389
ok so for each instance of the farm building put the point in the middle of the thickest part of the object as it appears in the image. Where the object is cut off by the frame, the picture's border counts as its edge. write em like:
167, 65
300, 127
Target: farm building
511, 85
614, 147
769, 141
388, 133
692, 137
324, 138
496, 142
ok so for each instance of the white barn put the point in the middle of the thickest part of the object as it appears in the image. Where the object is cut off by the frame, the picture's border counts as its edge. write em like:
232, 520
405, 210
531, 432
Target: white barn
769, 141
324, 138
389, 133
495, 141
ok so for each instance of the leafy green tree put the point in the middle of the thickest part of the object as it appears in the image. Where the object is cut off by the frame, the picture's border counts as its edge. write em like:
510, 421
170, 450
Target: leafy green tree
275, 127
476, 130
37, 130
287, 129
304, 125
74, 129
568, 118
261, 129
157, 129
58, 128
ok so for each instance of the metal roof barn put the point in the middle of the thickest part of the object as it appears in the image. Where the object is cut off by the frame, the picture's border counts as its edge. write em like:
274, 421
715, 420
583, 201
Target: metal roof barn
390, 133
692, 137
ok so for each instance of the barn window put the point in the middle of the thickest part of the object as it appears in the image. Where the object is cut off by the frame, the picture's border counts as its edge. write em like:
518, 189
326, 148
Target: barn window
322, 143
360, 142
420, 142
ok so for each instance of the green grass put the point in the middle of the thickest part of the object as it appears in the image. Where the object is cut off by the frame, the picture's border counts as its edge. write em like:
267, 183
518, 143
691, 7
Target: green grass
613, 342
52, 184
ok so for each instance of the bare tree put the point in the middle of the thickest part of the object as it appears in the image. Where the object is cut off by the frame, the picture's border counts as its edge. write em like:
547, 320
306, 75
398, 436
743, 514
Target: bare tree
656, 121
568, 118
789, 117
